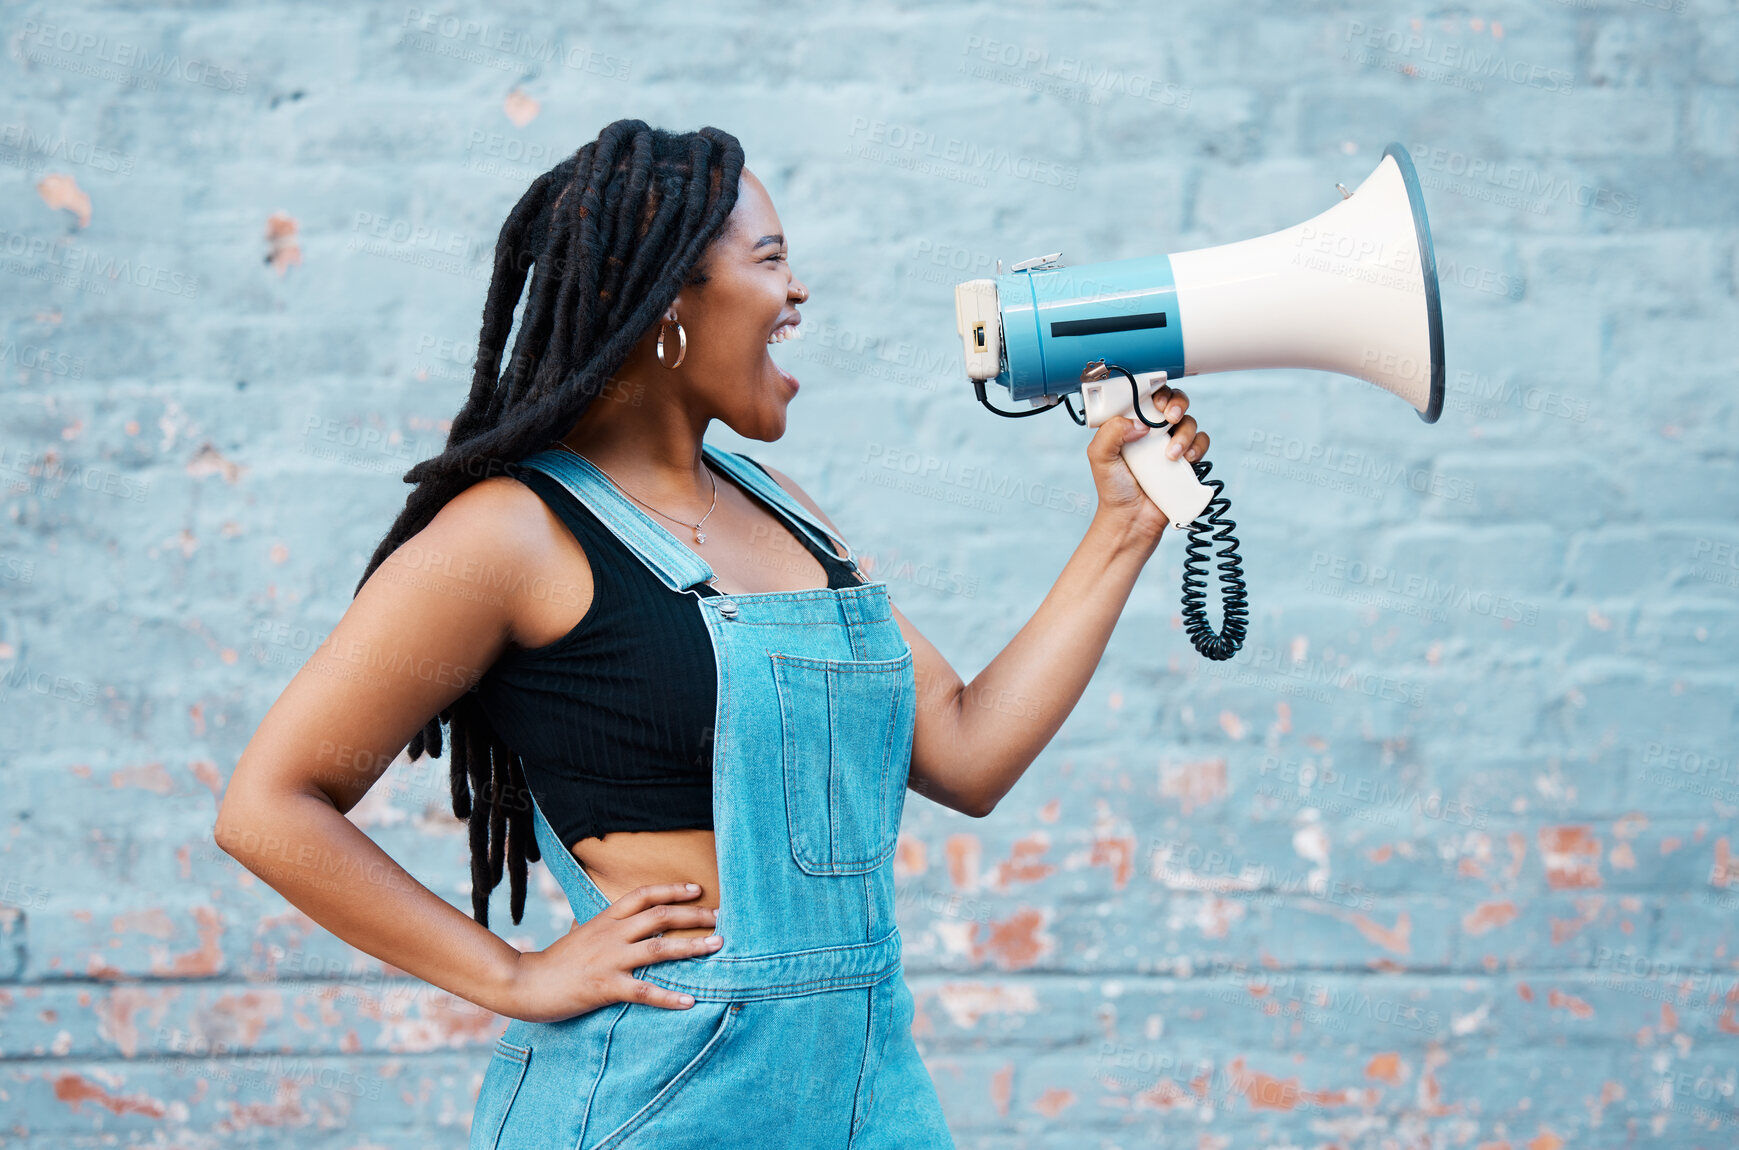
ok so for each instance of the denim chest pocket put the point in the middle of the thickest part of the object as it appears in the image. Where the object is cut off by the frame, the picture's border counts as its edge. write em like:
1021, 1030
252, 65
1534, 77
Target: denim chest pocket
847, 745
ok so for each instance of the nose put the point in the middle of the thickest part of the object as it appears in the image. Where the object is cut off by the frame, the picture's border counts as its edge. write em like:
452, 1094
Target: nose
797, 291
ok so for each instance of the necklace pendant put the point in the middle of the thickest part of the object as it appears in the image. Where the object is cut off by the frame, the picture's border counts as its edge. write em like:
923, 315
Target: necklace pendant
700, 536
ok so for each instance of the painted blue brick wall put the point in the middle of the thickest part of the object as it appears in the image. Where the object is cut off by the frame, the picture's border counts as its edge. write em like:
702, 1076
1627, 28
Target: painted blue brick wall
1444, 858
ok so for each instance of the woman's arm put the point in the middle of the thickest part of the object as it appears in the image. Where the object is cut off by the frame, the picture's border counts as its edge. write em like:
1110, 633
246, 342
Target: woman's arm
973, 742
421, 631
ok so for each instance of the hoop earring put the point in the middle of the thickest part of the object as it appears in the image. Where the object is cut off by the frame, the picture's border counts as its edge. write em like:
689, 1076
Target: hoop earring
681, 343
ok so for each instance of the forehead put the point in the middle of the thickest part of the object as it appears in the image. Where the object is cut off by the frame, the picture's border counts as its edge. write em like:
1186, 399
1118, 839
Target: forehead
753, 218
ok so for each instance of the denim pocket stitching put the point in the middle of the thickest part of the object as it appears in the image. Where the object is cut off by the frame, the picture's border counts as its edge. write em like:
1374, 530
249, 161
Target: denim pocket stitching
670, 1089
519, 1056
895, 697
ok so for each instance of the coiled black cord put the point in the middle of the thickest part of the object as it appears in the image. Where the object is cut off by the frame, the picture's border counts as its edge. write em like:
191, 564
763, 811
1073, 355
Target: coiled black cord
1213, 530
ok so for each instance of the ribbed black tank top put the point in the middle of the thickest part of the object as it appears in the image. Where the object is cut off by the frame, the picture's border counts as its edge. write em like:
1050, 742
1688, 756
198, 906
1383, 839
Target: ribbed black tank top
613, 721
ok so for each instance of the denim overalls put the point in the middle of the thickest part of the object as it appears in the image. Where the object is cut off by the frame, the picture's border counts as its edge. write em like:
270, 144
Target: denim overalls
800, 1034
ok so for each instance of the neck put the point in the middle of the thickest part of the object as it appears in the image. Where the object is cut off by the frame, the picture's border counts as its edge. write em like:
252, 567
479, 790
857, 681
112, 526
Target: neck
655, 454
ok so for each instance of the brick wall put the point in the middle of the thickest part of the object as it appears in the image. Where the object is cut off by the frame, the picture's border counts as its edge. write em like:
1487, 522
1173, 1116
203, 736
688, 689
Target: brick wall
1444, 858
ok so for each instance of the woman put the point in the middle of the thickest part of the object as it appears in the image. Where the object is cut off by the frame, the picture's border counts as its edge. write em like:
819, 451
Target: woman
666, 651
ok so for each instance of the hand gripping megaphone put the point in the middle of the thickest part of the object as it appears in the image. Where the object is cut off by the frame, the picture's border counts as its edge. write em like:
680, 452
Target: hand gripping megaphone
1352, 290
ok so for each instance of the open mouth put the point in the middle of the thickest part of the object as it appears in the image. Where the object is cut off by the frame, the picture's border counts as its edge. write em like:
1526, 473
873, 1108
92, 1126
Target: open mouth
784, 333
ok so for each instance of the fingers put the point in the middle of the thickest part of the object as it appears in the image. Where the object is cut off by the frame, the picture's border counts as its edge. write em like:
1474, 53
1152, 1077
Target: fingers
668, 949
1177, 404
642, 897
646, 992
1183, 435
662, 917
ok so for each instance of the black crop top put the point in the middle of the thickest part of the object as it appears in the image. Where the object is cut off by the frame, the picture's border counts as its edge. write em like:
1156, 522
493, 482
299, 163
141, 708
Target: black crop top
613, 721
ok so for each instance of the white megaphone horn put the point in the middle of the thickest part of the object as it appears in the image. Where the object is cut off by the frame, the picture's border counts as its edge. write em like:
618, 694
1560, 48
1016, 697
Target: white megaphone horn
1352, 290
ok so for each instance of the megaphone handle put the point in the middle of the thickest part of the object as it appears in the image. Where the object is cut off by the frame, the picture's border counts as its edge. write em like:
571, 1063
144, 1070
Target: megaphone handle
1171, 483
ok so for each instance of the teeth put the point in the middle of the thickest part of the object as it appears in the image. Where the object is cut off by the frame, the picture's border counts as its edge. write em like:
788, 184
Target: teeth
780, 335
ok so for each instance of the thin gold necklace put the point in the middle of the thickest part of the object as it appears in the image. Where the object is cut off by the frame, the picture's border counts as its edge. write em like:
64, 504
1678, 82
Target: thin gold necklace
699, 535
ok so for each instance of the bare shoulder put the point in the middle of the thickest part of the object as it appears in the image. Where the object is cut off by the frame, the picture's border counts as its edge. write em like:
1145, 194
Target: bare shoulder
497, 536
499, 518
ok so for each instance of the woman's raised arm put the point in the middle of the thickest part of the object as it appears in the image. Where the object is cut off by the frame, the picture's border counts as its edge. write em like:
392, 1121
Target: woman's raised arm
973, 742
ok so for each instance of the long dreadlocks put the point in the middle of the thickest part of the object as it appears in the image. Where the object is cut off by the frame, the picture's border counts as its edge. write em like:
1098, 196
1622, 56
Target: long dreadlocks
611, 234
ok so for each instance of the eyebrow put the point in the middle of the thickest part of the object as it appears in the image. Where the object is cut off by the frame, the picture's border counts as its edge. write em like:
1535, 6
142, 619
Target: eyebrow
765, 240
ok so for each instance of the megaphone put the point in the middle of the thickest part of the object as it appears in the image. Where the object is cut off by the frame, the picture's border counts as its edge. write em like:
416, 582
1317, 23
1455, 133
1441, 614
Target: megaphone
1352, 290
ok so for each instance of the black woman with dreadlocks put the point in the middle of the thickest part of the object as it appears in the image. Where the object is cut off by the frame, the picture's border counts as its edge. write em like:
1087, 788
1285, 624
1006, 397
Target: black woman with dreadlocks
663, 675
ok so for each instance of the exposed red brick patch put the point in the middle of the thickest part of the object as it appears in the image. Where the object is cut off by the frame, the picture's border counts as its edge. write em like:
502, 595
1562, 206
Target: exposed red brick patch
1054, 1101
208, 958
963, 851
1118, 853
284, 251
1724, 871
76, 1089
1381, 854
910, 857
1558, 1000
1572, 857
1193, 784
1023, 863
1488, 916
149, 777
1015, 942
62, 193
1002, 1087
1385, 1067
1546, 1140
520, 108
1525, 991
1397, 938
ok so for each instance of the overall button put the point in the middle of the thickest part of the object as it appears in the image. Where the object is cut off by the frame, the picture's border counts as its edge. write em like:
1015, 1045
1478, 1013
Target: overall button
727, 607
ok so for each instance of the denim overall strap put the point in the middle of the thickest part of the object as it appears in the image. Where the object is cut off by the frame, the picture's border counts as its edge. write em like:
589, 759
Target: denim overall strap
673, 563
748, 475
